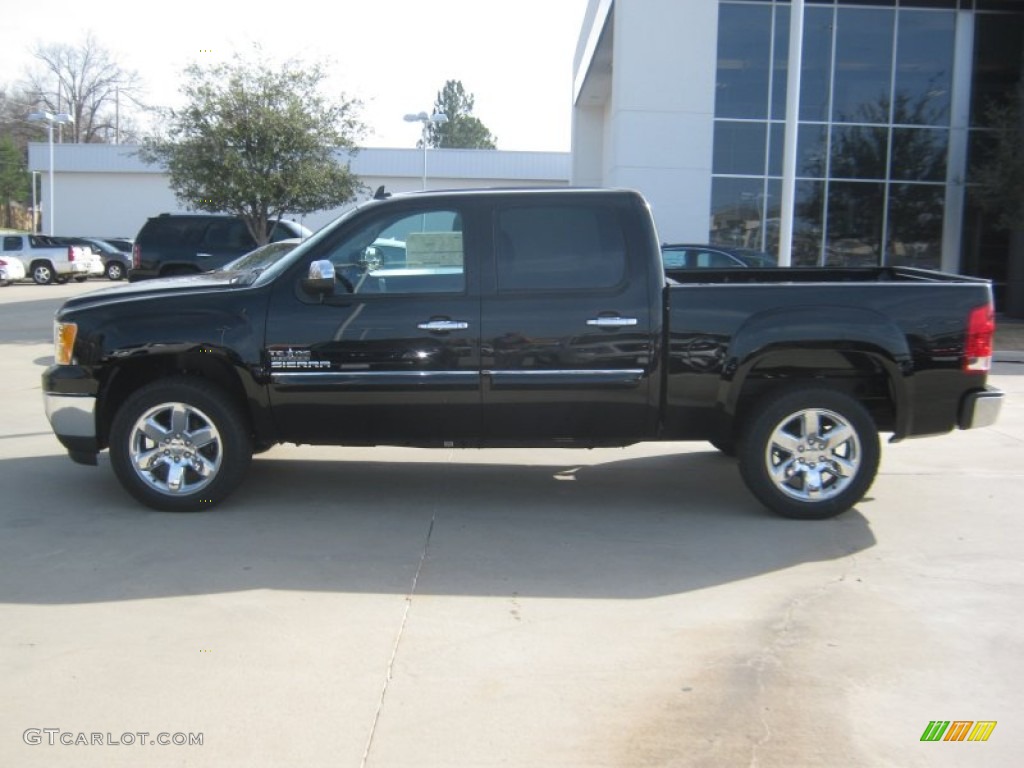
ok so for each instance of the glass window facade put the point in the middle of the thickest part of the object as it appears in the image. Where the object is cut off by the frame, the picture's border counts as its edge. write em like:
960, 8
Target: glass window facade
875, 138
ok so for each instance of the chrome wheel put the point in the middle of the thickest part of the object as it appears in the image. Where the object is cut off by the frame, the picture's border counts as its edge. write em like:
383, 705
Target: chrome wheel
813, 454
809, 453
115, 271
175, 449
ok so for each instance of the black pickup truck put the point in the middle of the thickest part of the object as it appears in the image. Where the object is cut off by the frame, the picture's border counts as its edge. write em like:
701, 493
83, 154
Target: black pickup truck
517, 318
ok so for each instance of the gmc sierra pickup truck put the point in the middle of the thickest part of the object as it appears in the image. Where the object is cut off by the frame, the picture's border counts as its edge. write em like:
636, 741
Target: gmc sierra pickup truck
516, 318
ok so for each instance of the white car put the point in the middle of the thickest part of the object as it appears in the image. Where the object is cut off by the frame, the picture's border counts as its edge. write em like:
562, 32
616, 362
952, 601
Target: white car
11, 270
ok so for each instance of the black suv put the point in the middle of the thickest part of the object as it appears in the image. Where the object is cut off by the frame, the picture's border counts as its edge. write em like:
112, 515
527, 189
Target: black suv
183, 244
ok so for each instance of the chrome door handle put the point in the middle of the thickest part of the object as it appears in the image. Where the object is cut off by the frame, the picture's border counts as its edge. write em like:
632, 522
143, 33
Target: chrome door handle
612, 322
443, 325
202, 255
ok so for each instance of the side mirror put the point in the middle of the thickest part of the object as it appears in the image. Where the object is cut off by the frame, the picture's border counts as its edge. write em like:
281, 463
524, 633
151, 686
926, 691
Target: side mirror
320, 278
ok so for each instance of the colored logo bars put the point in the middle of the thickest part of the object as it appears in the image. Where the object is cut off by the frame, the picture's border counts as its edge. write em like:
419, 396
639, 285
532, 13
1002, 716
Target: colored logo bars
958, 730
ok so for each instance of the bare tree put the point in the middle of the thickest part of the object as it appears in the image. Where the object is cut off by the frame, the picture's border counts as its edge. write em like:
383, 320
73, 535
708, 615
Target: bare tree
86, 81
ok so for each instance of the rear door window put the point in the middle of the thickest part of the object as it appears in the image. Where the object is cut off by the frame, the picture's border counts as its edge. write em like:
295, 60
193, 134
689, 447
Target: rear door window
559, 248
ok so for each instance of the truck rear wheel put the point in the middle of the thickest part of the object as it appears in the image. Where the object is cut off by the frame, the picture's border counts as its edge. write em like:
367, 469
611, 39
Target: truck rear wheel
809, 454
180, 445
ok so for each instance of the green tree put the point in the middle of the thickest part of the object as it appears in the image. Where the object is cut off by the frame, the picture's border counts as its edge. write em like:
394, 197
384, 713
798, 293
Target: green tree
13, 179
463, 130
862, 148
258, 141
1000, 173
15, 105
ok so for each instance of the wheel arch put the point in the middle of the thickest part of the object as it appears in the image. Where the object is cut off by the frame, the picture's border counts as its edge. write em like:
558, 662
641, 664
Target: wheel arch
855, 351
202, 361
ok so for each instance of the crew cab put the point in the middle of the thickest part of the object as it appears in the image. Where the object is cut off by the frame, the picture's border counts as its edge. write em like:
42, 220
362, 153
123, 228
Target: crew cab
517, 318
48, 260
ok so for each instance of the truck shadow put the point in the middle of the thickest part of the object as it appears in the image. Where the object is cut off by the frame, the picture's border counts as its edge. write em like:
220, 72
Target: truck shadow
635, 527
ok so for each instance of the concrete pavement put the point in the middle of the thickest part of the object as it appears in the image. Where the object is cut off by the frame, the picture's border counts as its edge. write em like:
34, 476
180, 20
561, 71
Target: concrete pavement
395, 607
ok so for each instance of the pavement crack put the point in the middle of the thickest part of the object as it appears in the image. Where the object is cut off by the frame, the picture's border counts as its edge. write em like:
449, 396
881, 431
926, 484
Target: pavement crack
398, 639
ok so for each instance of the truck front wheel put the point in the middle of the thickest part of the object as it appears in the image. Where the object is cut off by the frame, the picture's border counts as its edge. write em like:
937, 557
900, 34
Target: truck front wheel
809, 454
180, 445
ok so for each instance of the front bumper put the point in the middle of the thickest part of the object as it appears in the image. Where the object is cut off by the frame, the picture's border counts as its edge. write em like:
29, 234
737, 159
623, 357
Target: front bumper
71, 412
980, 409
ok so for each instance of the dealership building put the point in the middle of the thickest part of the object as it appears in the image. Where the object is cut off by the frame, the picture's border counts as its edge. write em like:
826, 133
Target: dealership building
686, 102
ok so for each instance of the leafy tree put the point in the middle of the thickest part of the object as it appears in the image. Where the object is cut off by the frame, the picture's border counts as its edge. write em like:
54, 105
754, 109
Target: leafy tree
1000, 191
258, 141
861, 151
1000, 174
463, 130
85, 81
13, 178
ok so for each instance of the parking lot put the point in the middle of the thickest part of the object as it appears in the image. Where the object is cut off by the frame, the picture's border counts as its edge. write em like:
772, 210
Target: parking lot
400, 607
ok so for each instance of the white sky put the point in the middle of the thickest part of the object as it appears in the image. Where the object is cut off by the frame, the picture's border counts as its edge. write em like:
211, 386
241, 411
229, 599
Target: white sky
394, 55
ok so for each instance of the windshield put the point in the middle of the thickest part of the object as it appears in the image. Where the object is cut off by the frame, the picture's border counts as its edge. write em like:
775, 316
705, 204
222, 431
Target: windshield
262, 257
282, 261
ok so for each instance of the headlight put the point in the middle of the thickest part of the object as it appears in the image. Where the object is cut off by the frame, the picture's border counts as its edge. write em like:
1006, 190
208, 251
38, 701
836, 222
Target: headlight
64, 342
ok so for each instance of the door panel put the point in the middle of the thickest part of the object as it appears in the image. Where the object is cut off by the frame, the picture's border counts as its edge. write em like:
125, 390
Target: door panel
393, 357
568, 337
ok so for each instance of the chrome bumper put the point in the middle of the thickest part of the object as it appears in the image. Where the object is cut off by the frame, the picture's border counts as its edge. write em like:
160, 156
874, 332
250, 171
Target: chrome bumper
71, 415
980, 409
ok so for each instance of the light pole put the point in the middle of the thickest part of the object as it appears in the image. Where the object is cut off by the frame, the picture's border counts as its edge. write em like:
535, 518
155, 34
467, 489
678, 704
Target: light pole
437, 118
35, 203
62, 118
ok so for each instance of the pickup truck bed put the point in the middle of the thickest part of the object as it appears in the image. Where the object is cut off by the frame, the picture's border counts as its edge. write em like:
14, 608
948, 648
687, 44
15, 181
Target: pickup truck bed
891, 337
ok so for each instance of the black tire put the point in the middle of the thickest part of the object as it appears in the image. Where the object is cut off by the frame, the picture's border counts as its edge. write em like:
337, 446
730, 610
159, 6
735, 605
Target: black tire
115, 270
180, 408
42, 272
819, 472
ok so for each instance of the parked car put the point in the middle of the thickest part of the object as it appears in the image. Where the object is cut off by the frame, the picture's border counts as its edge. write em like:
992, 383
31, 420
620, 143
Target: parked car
686, 256
122, 244
116, 262
519, 318
11, 270
94, 255
182, 244
49, 260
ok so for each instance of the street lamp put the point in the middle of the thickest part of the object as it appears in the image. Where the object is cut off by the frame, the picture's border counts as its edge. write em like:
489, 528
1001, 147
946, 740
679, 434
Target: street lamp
437, 118
62, 118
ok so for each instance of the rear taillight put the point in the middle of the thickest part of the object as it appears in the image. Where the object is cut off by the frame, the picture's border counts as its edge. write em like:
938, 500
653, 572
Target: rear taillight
71, 253
981, 329
136, 256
